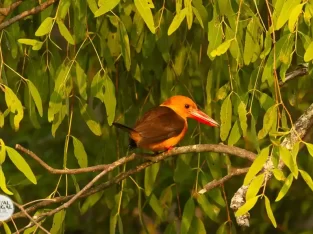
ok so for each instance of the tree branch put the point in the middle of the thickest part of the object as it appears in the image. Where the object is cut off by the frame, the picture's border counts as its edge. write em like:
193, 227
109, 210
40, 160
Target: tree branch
89, 190
24, 14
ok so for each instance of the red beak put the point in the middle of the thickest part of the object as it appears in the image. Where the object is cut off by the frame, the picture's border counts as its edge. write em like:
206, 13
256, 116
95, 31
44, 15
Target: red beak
203, 118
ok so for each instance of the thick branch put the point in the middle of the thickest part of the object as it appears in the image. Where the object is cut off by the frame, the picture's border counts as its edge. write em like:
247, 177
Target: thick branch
24, 14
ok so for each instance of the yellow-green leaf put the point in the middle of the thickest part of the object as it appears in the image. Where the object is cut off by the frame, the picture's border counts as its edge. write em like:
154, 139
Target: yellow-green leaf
36, 96
109, 99
198, 16
279, 174
268, 121
144, 9
257, 165
307, 178
189, 13
269, 211
21, 164
242, 112
178, 19
93, 6
226, 115
308, 55
65, 32
89, 118
15, 106
80, 153
2, 152
45, 27
255, 186
107, 5
3, 185
293, 18
57, 223
288, 6
7, 228
310, 148
285, 187
221, 49
287, 158
247, 206
235, 134
81, 79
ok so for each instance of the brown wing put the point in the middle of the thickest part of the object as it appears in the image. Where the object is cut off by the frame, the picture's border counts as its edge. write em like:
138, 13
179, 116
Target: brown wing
159, 124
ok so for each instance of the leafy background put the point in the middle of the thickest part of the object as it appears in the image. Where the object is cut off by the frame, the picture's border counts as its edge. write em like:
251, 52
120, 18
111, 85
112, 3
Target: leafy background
73, 68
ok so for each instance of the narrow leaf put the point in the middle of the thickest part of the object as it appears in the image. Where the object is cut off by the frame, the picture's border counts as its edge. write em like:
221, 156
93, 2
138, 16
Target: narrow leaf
285, 12
125, 48
293, 17
242, 112
279, 174
257, 165
156, 206
80, 153
7, 228
58, 220
178, 19
65, 32
285, 187
309, 146
307, 178
15, 106
269, 211
221, 49
21, 164
268, 121
89, 118
198, 16
45, 27
2, 152
107, 5
189, 13
109, 99
247, 206
144, 9
188, 214
36, 96
150, 177
81, 78
255, 186
3, 185
287, 158
235, 134
226, 115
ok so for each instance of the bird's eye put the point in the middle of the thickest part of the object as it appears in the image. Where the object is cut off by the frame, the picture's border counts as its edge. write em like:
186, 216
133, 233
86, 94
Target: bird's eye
187, 106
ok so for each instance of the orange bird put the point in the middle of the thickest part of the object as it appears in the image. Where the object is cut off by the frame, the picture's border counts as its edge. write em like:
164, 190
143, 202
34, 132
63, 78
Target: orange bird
162, 127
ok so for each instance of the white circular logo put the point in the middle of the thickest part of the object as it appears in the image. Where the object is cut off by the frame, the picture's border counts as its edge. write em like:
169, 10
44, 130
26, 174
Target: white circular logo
6, 208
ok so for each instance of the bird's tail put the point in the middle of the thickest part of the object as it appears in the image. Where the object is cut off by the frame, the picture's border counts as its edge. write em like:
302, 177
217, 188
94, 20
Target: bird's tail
132, 143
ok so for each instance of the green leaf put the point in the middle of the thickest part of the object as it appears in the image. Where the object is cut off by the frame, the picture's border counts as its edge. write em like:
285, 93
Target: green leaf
211, 210
93, 5
15, 106
279, 174
285, 187
309, 146
293, 17
189, 14
235, 134
150, 177
226, 115
90, 202
3, 185
221, 49
21, 164
81, 79
36, 45
107, 5
178, 19
307, 178
288, 6
36, 96
2, 152
55, 105
80, 153
198, 16
113, 220
188, 214
45, 27
124, 42
308, 56
144, 9
242, 112
287, 158
63, 8
269, 211
7, 228
250, 42
267, 45
197, 226
257, 165
89, 118
156, 206
255, 186
65, 33
57, 223
1, 119
109, 99
268, 121
247, 206
58, 119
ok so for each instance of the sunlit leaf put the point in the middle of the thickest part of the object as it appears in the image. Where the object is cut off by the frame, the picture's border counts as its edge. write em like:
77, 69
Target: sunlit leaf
80, 153
65, 32
92, 4
242, 112
45, 27
89, 118
308, 56
125, 48
309, 146
57, 222
2, 152
293, 18
109, 99
287, 158
307, 178
269, 211
107, 6
15, 106
285, 187
221, 49
189, 13
288, 6
178, 19
255, 186
235, 134
247, 206
268, 121
144, 9
81, 78
21, 164
198, 16
36, 96
279, 174
257, 165
3, 185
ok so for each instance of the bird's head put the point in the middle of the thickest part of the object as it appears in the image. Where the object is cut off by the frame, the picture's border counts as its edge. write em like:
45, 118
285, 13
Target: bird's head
186, 108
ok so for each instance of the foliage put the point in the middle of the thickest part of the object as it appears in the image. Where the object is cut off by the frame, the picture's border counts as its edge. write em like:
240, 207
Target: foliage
72, 69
